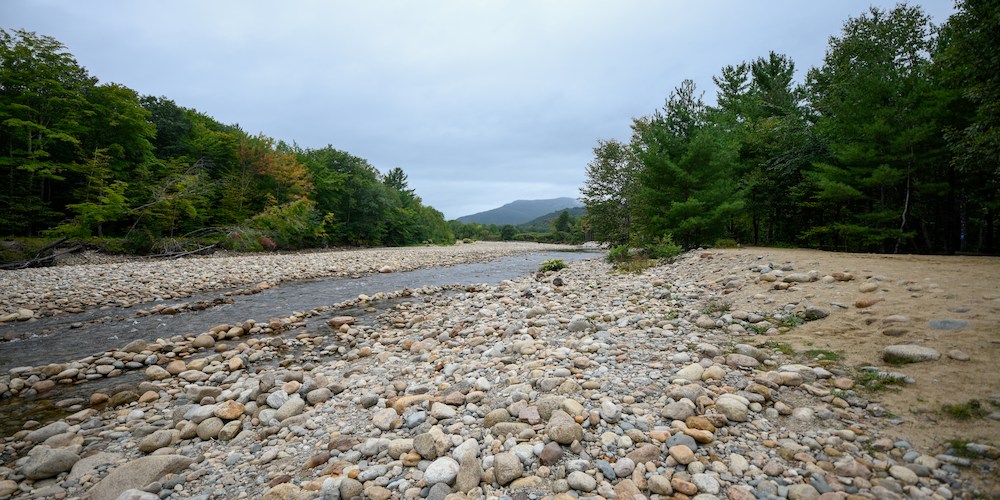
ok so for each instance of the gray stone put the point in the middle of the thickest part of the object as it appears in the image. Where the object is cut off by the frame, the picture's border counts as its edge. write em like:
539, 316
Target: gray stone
290, 408
351, 488
40, 435
158, 439
908, 353
802, 492
45, 462
706, 483
442, 470
209, 428
137, 474
563, 429
581, 481
732, 408
470, 473
137, 494
683, 439
813, 313
506, 468
679, 410
948, 324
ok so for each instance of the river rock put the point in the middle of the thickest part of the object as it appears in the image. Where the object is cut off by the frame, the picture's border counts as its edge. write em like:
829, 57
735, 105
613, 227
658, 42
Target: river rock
563, 429
908, 353
470, 474
137, 474
443, 470
645, 453
692, 372
506, 468
158, 439
203, 341
123, 398
41, 434
291, 408
733, 408
682, 454
802, 492
45, 462
229, 410
581, 481
209, 428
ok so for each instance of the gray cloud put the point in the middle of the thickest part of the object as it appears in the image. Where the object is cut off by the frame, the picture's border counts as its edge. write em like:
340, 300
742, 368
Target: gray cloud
480, 102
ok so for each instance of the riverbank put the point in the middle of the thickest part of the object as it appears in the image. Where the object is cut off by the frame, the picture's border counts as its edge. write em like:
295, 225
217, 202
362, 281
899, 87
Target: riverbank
696, 378
47, 291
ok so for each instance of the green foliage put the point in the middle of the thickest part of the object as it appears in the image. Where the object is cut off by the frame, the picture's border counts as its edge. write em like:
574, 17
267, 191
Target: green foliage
969, 410
552, 265
288, 226
611, 192
508, 232
890, 146
619, 254
791, 321
726, 243
635, 265
82, 159
874, 381
823, 355
781, 347
665, 248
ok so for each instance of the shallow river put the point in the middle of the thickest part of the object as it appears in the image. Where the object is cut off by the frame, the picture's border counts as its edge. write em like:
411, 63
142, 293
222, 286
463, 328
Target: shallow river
66, 338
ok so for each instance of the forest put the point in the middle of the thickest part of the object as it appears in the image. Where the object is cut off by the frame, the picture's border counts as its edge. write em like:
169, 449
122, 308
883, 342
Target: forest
140, 174
891, 145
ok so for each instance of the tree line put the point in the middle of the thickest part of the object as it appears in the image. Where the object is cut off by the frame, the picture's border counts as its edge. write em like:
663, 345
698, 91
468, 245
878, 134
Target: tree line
84, 159
891, 145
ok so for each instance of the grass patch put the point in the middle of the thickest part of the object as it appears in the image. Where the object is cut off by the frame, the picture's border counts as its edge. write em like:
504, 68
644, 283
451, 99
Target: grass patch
635, 265
966, 411
791, 321
759, 330
552, 265
823, 355
873, 381
781, 347
960, 448
715, 306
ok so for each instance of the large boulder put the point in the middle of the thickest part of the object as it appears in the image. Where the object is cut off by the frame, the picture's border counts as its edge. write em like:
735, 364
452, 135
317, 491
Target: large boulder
137, 474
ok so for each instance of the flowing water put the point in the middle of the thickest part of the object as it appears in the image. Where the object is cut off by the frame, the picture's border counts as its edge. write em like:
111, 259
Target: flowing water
66, 338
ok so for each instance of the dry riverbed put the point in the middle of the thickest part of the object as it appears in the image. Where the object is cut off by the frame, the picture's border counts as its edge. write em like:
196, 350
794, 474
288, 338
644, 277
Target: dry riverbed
727, 374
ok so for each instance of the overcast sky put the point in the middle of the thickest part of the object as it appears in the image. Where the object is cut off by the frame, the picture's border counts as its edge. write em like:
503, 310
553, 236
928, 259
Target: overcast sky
479, 102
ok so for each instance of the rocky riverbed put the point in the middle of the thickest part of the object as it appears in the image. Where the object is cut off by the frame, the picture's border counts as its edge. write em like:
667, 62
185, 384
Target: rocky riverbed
35, 292
696, 379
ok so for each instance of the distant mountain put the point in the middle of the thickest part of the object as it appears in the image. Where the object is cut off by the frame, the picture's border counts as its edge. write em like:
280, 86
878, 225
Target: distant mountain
520, 211
543, 224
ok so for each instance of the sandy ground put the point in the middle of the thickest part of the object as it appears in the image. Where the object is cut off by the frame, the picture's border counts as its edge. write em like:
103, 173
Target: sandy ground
923, 288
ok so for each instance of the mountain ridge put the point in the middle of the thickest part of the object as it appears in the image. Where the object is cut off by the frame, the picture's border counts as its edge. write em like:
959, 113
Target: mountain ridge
520, 211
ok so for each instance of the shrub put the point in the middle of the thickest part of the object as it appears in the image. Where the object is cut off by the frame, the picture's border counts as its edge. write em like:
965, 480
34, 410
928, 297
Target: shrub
726, 243
619, 254
663, 249
966, 411
552, 265
286, 226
